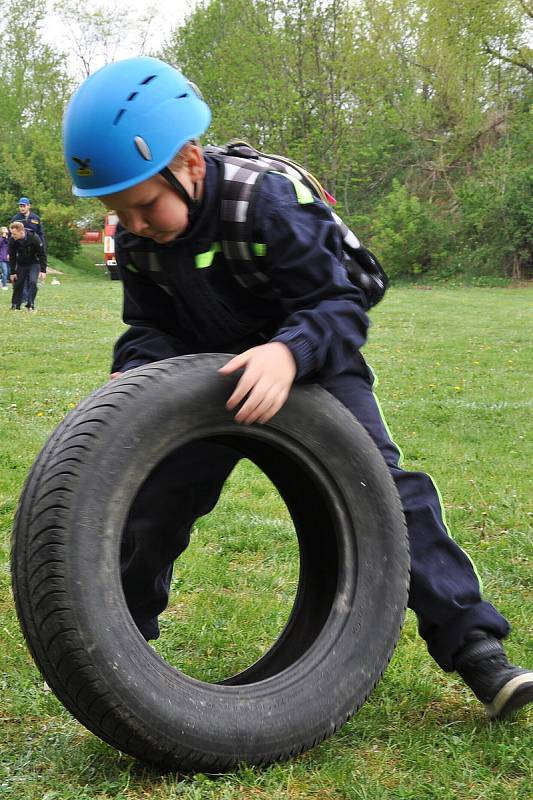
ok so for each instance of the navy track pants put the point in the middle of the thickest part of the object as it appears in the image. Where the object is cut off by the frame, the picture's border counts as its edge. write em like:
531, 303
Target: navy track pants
25, 287
444, 590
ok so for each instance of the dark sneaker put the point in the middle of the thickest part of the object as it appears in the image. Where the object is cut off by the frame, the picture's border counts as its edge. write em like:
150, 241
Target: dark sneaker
501, 687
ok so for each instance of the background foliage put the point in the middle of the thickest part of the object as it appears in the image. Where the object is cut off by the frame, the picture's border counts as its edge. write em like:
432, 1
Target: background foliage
416, 114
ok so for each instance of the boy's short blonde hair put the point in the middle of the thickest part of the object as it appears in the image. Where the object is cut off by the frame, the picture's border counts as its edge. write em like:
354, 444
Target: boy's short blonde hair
17, 226
179, 159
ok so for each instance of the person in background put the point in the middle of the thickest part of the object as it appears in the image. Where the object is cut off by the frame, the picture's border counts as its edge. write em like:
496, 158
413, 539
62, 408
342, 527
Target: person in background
30, 220
4, 257
27, 261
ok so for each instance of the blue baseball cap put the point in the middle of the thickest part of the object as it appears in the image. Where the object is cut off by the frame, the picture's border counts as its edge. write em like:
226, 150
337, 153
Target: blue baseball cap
24, 201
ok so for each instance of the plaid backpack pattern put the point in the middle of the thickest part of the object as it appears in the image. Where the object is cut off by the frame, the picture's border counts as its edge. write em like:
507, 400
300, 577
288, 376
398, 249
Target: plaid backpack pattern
243, 168
239, 182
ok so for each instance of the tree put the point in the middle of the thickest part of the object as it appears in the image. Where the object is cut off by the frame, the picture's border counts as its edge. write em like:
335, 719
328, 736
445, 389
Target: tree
35, 88
497, 205
385, 100
94, 34
418, 102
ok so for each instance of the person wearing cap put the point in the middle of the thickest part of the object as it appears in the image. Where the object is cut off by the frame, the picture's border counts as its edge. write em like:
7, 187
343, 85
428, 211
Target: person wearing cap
30, 220
131, 139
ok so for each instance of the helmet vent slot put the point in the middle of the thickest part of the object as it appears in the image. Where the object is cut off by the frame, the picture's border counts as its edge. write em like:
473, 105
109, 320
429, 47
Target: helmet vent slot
119, 115
132, 96
181, 96
148, 79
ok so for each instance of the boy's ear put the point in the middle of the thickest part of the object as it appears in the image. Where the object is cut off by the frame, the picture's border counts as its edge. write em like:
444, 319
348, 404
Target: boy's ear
194, 160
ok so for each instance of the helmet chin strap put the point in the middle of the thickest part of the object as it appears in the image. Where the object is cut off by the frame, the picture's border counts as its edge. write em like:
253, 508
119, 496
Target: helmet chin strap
190, 202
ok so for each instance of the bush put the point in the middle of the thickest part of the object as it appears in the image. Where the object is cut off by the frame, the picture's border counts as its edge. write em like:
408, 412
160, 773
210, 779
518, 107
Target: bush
62, 236
407, 235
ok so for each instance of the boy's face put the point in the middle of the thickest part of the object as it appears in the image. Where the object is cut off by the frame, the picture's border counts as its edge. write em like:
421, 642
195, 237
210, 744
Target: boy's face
18, 234
153, 208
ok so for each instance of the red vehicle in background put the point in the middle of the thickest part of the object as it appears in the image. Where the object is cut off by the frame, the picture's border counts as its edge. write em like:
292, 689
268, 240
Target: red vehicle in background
110, 226
91, 237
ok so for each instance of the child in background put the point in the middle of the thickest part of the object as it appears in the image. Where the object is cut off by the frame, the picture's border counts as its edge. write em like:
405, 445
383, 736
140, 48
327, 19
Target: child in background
4, 257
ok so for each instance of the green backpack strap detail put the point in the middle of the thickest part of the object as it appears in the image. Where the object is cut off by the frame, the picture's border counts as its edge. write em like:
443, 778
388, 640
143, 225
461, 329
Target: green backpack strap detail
303, 194
203, 260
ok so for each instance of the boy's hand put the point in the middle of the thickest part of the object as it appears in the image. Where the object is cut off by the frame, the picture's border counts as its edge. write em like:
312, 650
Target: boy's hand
269, 372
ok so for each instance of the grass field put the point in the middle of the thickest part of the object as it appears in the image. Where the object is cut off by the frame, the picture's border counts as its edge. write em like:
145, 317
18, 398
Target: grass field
456, 385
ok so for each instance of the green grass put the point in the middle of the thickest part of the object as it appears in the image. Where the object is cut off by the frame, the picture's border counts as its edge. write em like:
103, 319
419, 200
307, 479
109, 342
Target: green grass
456, 380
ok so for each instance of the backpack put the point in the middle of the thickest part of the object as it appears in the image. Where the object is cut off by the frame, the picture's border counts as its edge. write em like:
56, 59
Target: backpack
244, 167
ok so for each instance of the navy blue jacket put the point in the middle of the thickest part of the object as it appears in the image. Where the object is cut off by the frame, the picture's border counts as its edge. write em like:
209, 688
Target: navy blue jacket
26, 252
173, 307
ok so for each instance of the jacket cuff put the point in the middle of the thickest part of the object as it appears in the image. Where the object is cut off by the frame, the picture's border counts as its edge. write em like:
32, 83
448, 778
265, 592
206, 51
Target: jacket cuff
301, 349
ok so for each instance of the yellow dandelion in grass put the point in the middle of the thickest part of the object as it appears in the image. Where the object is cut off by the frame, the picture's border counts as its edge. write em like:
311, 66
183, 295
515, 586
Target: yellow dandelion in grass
458, 388
71, 405
40, 413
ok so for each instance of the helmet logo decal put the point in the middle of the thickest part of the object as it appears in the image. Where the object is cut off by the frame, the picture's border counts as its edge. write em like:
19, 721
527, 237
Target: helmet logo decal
143, 148
84, 169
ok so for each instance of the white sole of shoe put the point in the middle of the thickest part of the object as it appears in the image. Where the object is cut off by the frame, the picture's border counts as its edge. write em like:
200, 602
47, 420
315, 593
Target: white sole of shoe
512, 696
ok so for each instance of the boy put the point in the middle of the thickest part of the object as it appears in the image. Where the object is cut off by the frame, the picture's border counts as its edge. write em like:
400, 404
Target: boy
130, 139
27, 259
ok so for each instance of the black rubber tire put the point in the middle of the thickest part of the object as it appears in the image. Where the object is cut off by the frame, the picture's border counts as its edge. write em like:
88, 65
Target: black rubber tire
348, 610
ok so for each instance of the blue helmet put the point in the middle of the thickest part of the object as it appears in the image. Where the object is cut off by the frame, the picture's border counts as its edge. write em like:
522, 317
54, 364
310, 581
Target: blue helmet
126, 122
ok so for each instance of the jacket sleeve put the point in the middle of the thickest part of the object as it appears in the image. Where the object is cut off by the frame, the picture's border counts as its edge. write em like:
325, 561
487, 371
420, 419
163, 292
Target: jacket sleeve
145, 306
326, 320
42, 236
40, 252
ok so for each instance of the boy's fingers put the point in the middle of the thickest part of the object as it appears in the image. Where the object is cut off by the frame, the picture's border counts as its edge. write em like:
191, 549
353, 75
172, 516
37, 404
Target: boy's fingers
260, 405
273, 409
234, 364
244, 386
251, 409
